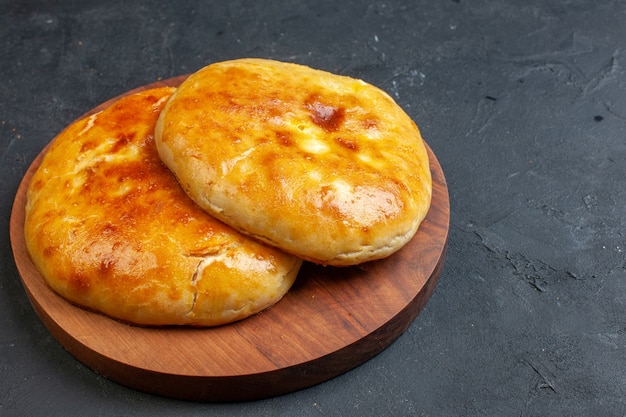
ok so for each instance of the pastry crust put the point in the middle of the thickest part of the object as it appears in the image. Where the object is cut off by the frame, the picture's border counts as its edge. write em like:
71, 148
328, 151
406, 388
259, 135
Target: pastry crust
323, 166
111, 230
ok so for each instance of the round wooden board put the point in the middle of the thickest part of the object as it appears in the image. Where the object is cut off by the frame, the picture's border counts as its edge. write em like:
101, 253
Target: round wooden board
332, 319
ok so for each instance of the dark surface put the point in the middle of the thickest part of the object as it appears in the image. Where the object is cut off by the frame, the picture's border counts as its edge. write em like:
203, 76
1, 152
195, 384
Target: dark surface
524, 103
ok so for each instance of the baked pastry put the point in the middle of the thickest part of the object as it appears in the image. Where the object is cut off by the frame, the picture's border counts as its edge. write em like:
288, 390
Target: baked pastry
111, 230
323, 166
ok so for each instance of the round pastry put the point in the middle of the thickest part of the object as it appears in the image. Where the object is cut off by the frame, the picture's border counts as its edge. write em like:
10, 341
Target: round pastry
323, 166
110, 229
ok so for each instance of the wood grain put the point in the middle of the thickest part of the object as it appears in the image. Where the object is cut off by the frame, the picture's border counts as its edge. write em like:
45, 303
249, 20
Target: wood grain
332, 320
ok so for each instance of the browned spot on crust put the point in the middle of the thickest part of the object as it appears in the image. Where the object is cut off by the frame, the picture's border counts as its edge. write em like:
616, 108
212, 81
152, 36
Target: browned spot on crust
49, 251
325, 116
284, 138
79, 282
348, 143
87, 146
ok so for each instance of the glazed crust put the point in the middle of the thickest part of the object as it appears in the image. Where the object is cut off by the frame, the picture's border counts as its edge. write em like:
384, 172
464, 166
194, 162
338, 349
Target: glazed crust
111, 230
323, 166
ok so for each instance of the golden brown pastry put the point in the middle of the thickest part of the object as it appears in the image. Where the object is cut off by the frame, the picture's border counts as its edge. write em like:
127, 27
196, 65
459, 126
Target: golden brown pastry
323, 166
111, 230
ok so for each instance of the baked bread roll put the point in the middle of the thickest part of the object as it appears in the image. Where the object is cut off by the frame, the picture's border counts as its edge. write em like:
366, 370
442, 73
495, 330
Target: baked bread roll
111, 230
323, 166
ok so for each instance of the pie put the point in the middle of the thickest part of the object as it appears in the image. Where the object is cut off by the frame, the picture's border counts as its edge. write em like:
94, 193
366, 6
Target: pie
111, 230
325, 167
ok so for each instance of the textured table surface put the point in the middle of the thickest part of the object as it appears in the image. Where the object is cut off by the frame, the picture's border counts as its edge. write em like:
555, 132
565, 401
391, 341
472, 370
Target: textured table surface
524, 104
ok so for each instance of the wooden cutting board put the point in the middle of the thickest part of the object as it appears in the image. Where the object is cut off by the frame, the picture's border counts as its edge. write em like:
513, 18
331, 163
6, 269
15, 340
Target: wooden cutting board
332, 319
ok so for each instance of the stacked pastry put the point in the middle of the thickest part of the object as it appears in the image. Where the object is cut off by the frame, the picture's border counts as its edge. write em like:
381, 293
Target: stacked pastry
197, 205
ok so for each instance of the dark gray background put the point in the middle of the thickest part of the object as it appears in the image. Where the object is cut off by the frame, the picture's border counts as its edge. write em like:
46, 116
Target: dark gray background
523, 102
